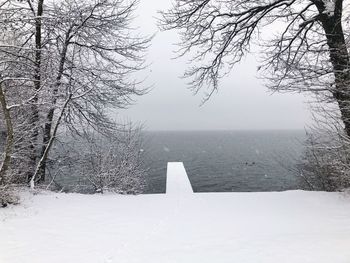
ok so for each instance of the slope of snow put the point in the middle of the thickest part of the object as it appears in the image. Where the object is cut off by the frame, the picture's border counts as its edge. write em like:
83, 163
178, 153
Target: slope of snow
294, 226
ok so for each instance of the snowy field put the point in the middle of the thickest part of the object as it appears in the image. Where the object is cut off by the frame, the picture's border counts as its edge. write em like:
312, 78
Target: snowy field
179, 227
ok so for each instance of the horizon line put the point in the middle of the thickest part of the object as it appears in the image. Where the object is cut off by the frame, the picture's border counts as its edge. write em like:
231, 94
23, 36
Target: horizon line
220, 130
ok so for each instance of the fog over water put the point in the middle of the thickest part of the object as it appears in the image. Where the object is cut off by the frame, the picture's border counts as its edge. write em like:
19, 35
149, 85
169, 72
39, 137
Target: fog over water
242, 103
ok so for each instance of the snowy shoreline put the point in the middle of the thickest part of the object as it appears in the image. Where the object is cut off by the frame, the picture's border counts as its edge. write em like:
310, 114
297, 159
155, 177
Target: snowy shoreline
293, 226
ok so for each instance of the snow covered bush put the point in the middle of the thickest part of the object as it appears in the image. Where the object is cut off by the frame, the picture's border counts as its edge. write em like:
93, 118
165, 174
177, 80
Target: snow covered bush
326, 162
7, 196
114, 162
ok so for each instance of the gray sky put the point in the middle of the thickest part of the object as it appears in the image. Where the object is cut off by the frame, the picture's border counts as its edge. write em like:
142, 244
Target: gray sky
242, 103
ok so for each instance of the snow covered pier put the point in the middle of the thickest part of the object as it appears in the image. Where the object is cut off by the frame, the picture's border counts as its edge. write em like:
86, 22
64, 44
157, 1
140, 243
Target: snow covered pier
177, 181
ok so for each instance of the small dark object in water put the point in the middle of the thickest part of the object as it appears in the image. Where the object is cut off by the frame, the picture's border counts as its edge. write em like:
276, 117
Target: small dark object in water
3, 205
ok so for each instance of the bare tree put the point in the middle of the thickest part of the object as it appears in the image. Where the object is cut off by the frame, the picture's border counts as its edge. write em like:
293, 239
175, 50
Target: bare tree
308, 52
15, 78
65, 64
97, 54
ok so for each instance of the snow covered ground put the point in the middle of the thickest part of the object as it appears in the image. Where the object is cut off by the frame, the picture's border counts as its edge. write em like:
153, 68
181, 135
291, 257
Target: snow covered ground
292, 226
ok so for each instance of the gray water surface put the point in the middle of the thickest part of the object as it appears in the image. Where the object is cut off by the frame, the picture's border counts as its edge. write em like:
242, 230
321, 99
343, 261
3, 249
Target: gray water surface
224, 161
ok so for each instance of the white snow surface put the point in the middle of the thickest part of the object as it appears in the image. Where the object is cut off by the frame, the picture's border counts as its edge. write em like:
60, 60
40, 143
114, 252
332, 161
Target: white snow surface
293, 226
177, 182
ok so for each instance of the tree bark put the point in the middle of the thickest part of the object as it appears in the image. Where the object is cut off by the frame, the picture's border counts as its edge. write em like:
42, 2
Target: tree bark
49, 117
34, 121
49, 144
46, 140
9, 139
339, 57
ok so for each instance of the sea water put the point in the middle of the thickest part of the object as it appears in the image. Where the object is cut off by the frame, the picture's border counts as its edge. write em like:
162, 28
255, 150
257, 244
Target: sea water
225, 161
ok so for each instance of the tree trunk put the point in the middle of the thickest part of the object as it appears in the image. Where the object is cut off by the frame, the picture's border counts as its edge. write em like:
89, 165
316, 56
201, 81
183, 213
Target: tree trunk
49, 118
34, 120
46, 140
339, 57
9, 139
49, 144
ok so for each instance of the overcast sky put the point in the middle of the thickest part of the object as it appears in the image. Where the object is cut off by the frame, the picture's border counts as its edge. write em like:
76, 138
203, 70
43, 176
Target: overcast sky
242, 103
